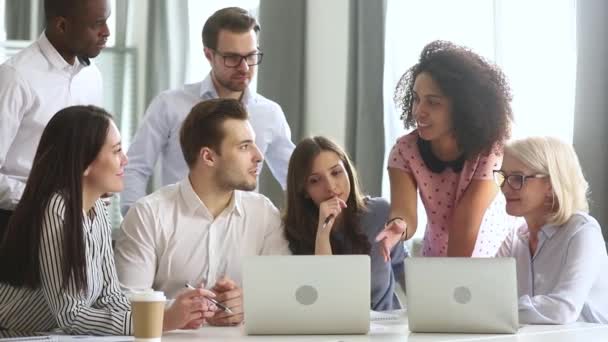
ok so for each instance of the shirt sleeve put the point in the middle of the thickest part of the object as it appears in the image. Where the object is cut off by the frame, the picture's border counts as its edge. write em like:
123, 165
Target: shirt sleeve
111, 295
398, 255
280, 148
578, 274
400, 154
486, 165
135, 249
72, 309
275, 242
15, 99
151, 139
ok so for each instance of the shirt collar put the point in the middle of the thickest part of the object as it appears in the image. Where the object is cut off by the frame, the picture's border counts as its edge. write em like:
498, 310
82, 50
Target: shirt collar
193, 202
435, 164
208, 92
55, 58
547, 231
236, 203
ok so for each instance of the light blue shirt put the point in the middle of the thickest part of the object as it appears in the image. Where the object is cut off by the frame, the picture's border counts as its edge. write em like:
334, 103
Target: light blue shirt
566, 279
158, 136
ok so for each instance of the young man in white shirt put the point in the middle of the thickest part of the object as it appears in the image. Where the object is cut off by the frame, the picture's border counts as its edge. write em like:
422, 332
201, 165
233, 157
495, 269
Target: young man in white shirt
52, 73
231, 47
198, 231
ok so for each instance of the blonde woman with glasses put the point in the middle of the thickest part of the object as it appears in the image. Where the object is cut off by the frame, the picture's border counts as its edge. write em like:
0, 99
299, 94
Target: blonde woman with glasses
560, 251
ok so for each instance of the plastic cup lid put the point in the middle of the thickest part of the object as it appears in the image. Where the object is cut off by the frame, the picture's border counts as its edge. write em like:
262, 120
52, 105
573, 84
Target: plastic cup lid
147, 296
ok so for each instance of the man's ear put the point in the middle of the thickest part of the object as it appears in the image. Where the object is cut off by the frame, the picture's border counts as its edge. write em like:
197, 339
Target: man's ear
208, 54
207, 156
87, 171
60, 24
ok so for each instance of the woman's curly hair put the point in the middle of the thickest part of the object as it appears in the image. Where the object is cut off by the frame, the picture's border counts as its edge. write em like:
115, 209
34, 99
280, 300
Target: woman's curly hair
480, 94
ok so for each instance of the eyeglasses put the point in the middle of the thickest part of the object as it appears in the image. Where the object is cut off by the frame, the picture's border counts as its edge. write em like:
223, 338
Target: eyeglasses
232, 60
515, 181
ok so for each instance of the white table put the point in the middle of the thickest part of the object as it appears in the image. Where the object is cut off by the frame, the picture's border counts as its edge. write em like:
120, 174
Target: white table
388, 332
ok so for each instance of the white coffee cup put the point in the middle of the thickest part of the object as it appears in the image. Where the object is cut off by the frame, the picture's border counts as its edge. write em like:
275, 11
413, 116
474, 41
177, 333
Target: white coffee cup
148, 309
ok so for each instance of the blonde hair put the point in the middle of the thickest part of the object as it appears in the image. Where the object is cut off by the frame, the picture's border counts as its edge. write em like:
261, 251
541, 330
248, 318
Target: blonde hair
558, 160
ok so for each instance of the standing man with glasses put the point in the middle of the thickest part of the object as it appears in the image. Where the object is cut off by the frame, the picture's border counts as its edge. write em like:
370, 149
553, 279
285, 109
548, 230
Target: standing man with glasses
231, 47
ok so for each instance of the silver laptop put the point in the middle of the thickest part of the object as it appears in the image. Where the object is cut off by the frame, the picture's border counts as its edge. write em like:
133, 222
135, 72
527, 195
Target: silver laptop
306, 294
461, 295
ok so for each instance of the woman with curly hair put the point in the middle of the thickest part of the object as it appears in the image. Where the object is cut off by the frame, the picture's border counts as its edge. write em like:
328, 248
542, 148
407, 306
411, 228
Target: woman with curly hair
460, 106
327, 214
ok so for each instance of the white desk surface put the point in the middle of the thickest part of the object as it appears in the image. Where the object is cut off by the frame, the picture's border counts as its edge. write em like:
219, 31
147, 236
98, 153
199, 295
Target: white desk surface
388, 332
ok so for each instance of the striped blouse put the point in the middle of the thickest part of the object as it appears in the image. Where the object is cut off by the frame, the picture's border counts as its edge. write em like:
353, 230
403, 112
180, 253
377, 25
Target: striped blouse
101, 310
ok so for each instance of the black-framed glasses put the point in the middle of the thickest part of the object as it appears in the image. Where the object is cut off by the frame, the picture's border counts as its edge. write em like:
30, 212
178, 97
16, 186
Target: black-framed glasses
232, 60
515, 181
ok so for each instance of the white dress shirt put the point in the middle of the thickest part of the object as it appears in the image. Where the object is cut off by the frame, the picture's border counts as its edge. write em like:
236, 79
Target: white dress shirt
101, 310
170, 238
566, 279
34, 85
158, 136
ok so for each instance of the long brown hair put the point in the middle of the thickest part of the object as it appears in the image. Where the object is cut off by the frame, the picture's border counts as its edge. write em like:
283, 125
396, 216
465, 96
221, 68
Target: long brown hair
69, 144
302, 214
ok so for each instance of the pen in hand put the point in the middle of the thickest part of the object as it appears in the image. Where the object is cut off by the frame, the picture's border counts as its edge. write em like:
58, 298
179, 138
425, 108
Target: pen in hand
214, 301
327, 219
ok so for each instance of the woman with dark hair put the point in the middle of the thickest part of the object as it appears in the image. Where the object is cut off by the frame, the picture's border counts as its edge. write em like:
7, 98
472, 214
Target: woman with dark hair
460, 106
56, 262
327, 214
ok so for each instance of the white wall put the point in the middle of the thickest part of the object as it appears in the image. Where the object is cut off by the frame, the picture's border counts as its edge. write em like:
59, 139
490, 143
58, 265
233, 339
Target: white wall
326, 68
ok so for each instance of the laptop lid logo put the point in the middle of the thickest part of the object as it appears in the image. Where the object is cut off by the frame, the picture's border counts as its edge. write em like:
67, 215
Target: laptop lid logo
306, 295
462, 295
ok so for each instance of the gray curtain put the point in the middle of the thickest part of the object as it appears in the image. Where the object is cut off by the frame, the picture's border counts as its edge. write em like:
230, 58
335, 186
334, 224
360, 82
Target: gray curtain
167, 54
591, 103
364, 114
281, 76
167, 48
19, 16
120, 35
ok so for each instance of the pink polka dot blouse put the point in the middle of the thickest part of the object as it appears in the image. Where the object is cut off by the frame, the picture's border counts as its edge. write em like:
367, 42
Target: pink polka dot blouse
441, 191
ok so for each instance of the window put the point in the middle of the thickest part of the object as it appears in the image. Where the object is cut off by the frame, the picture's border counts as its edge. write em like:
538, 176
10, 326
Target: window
2, 28
112, 24
35, 17
534, 42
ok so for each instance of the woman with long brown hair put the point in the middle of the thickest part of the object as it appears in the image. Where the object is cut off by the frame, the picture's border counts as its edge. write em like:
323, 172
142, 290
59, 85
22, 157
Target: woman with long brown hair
327, 214
57, 268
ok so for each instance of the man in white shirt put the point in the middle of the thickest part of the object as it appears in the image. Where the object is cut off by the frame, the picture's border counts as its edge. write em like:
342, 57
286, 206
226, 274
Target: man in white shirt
230, 46
52, 73
198, 231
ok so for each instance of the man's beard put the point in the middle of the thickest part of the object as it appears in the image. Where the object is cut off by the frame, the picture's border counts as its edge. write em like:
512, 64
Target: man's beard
232, 86
229, 184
